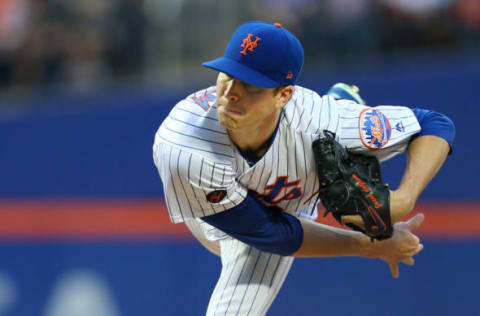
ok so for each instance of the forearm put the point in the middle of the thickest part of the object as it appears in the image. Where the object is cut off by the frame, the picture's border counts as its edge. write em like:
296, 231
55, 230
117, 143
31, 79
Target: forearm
426, 154
325, 241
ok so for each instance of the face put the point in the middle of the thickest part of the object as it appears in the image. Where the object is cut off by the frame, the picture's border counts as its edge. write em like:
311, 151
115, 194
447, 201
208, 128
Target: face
243, 106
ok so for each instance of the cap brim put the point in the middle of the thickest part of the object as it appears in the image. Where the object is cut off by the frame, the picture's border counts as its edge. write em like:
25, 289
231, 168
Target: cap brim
238, 71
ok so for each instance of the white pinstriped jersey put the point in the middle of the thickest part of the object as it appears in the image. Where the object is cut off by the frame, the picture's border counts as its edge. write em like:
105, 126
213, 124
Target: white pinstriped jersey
195, 156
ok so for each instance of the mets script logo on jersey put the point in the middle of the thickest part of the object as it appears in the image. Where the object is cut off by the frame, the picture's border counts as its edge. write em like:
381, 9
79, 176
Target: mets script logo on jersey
281, 190
248, 44
375, 129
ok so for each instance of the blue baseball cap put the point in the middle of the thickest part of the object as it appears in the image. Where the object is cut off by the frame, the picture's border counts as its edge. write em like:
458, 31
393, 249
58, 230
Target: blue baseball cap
262, 54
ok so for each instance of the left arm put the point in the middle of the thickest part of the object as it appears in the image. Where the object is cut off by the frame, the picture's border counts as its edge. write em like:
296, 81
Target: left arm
426, 154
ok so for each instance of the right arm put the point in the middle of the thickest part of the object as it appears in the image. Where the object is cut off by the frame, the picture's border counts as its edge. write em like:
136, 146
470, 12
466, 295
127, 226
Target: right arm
268, 229
325, 241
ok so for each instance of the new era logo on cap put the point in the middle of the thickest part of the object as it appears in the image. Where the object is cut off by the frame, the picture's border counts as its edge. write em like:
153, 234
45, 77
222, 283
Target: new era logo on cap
262, 54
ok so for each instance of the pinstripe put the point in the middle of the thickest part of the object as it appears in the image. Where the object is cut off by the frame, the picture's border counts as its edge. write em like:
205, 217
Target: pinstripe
242, 195
245, 265
278, 152
311, 116
286, 263
284, 119
223, 176
200, 177
173, 184
231, 273
265, 178
261, 282
195, 126
288, 167
211, 177
224, 269
251, 176
168, 201
183, 187
314, 187
236, 165
329, 104
200, 184
293, 115
305, 182
261, 175
195, 148
259, 253
189, 180
222, 185
338, 123
196, 137
195, 114
275, 271
301, 115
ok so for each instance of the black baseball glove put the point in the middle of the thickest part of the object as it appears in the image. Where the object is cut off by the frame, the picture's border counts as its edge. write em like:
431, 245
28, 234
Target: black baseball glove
351, 184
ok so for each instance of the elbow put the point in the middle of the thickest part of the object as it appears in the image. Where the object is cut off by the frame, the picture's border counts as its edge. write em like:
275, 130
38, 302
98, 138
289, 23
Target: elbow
436, 124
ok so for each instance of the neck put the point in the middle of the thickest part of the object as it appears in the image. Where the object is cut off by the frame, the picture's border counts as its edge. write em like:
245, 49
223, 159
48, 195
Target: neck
254, 139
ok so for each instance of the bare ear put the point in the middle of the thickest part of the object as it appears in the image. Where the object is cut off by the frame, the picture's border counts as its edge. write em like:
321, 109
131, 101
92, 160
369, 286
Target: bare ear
283, 96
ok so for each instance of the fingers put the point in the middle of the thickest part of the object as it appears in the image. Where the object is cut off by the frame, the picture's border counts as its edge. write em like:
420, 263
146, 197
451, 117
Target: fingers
394, 269
416, 221
409, 261
419, 248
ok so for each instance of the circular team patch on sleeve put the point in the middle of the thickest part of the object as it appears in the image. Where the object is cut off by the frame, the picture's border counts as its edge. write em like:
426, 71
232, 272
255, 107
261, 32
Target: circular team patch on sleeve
216, 196
374, 128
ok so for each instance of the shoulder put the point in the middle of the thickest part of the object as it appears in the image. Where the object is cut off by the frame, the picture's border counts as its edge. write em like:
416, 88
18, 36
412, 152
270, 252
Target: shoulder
309, 112
193, 127
200, 104
183, 160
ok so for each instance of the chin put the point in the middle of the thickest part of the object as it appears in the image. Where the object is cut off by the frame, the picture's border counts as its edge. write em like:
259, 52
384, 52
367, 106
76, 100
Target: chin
227, 122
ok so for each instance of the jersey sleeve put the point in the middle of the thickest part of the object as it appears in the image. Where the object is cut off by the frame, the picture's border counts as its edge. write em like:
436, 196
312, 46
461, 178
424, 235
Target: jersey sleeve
194, 186
383, 131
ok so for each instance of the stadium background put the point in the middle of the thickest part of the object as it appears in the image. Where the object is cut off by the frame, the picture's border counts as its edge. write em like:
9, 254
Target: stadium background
83, 88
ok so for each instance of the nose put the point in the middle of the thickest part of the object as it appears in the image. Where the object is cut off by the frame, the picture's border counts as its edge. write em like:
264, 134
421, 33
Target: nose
232, 93
232, 98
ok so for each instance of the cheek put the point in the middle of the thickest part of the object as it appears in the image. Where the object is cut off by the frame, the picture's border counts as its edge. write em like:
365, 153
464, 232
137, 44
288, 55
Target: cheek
220, 88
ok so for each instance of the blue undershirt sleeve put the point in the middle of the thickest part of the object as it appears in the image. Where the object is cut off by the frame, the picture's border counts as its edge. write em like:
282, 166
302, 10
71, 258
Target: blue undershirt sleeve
264, 227
434, 123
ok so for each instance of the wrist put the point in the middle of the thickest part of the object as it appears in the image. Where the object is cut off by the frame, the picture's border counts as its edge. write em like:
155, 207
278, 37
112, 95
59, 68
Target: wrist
366, 248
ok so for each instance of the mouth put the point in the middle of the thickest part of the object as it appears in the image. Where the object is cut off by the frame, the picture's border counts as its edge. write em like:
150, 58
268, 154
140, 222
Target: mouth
227, 110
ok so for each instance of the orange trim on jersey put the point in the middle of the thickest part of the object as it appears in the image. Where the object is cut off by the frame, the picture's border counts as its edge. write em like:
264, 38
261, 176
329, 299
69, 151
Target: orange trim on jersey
133, 219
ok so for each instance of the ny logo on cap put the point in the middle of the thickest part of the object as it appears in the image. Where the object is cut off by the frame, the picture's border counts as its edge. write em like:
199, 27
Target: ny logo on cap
247, 44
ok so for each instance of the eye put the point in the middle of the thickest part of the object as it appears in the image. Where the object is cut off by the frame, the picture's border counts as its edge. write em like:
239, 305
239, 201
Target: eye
251, 88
